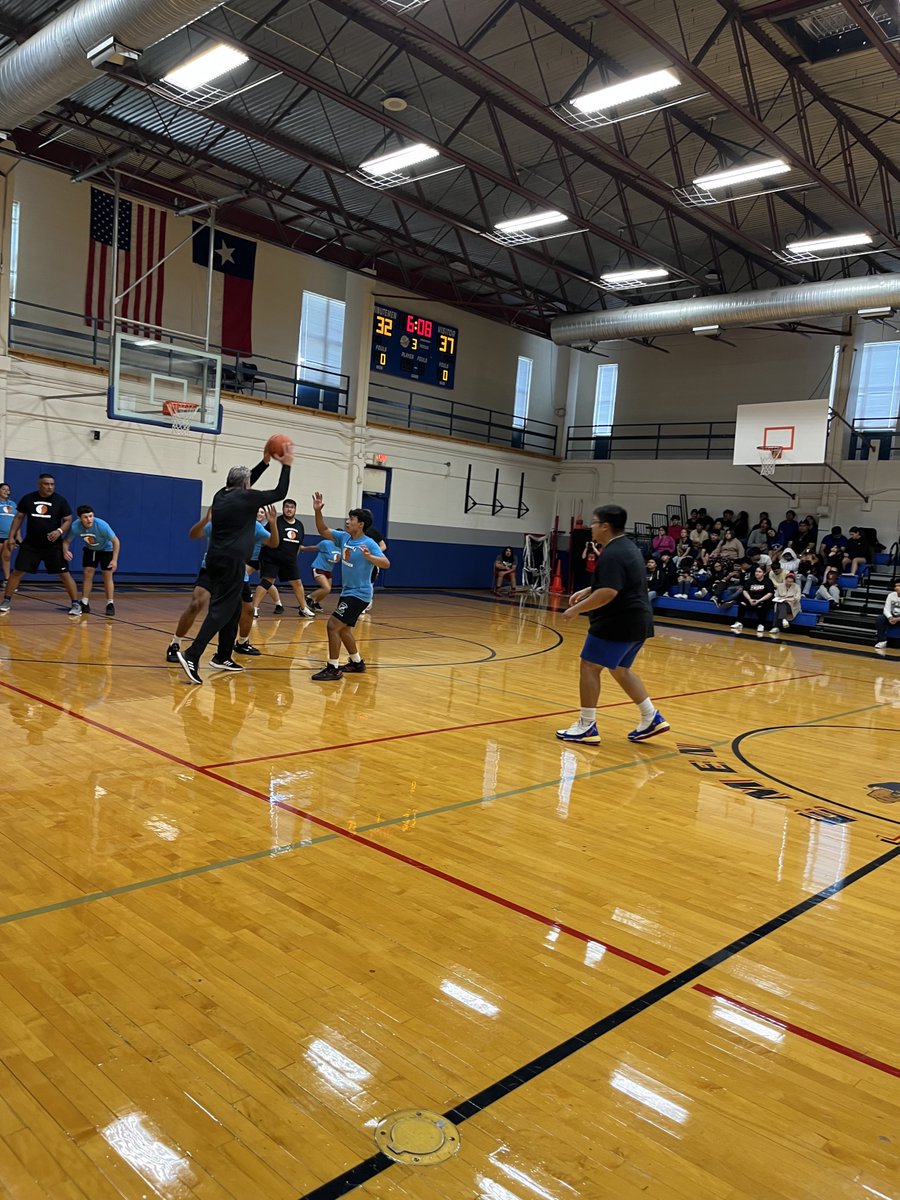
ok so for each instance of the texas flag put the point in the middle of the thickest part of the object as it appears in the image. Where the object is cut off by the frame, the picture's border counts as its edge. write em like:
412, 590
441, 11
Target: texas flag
234, 264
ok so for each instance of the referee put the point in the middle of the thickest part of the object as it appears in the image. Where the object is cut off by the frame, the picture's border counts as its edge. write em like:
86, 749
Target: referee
233, 517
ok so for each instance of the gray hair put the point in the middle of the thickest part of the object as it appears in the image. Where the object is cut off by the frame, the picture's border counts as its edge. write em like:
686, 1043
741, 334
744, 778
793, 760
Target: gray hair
238, 477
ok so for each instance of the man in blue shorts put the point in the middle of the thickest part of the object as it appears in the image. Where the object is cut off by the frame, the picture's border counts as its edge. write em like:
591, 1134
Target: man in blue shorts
359, 554
101, 549
621, 620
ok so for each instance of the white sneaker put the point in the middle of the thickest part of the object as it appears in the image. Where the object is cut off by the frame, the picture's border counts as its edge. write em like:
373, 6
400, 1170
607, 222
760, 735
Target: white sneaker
737, 627
774, 629
760, 629
881, 645
255, 614
785, 623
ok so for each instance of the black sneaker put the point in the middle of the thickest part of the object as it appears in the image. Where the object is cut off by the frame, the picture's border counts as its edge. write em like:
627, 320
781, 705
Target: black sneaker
314, 604
172, 652
279, 609
110, 609
85, 605
190, 668
353, 668
246, 648
224, 664
328, 673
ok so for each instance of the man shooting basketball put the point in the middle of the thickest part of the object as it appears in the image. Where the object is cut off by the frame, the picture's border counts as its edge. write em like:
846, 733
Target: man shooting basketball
621, 619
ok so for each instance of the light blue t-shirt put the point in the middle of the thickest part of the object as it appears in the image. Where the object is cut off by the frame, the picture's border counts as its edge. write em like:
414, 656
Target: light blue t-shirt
356, 571
7, 513
328, 557
260, 535
99, 537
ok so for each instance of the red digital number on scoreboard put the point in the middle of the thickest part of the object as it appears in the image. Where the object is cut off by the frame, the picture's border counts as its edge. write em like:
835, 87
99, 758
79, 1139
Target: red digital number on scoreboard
419, 325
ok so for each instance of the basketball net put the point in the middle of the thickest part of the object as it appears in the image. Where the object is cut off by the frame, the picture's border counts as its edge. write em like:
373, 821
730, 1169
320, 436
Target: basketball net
180, 414
769, 458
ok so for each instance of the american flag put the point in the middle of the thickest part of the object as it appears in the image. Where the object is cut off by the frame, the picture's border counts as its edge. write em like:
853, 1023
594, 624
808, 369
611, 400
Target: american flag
142, 244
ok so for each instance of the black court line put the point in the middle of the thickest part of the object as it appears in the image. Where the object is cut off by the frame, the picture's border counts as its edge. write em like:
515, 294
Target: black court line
738, 753
379, 1163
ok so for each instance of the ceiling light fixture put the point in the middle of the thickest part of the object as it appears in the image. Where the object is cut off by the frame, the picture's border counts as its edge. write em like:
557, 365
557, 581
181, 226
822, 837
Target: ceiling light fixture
629, 89
758, 170
551, 217
202, 68
639, 273
389, 164
836, 242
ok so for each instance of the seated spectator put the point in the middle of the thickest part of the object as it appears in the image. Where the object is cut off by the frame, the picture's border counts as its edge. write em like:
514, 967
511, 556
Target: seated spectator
684, 550
666, 573
505, 569
835, 559
761, 535
829, 589
756, 600
857, 552
728, 518
806, 533
741, 525
662, 541
890, 616
832, 540
789, 558
730, 546
711, 543
696, 534
813, 526
810, 572
727, 588
763, 516
788, 528
787, 600
700, 580
675, 529
758, 558
652, 579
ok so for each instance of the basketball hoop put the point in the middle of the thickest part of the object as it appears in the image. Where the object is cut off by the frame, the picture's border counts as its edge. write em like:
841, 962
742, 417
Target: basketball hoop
180, 414
769, 458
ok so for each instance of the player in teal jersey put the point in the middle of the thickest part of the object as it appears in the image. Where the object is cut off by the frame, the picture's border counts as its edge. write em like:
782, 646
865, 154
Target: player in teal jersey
7, 515
327, 558
101, 549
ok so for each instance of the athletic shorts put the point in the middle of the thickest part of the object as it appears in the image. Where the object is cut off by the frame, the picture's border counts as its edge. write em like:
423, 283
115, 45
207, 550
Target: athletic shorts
282, 569
349, 609
375, 571
253, 564
30, 558
203, 581
96, 558
319, 571
605, 653
246, 593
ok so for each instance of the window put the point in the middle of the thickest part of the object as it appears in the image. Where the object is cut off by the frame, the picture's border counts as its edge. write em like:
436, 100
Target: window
321, 338
605, 398
13, 256
878, 390
523, 392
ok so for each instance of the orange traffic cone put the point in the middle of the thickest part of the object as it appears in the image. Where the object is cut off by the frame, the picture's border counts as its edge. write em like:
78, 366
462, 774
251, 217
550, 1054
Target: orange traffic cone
556, 587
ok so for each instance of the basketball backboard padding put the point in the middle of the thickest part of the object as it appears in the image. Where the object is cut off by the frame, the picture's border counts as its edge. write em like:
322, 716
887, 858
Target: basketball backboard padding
800, 427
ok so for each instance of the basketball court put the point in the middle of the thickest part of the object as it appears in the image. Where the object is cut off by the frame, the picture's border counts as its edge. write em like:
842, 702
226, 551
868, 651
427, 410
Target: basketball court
624, 970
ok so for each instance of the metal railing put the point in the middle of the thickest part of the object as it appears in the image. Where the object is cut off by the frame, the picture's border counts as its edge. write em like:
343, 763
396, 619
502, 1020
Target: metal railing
454, 418
870, 437
71, 336
680, 439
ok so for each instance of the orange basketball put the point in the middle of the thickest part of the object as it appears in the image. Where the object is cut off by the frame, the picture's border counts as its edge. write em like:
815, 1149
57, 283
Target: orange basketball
279, 443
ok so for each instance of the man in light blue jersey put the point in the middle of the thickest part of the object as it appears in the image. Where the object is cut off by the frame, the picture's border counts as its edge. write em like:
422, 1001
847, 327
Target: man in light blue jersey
101, 549
327, 558
359, 554
7, 516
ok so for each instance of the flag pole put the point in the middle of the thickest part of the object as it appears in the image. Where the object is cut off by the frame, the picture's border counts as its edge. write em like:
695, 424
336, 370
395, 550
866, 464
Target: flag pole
209, 271
115, 263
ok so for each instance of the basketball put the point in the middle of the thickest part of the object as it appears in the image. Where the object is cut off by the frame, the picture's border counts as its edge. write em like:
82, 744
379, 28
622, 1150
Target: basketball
279, 443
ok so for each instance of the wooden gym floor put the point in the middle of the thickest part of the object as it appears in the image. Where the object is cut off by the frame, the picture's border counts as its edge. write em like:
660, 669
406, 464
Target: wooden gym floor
243, 923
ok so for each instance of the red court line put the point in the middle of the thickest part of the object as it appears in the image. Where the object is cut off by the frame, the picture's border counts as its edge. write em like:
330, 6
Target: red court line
399, 737
474, 889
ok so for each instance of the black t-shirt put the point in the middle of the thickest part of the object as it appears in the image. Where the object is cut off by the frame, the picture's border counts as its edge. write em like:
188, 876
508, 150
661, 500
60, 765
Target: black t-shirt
758, 589
375, 534
628, 617
290, 539
43, 514
234, 516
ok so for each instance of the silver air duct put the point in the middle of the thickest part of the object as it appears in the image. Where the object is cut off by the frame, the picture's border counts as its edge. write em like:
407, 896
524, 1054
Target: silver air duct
838, 297
53, 64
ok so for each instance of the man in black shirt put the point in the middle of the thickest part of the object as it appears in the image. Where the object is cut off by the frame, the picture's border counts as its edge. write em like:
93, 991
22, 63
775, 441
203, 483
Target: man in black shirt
621, 619
377, 536
233, 515
48, 518
281, 564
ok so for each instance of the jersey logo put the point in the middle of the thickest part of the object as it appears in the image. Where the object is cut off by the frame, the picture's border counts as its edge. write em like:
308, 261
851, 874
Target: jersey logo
41, 510
291, 535
90, 539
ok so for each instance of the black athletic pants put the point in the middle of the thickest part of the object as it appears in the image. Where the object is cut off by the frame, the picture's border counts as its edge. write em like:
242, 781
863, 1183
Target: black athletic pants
226, 577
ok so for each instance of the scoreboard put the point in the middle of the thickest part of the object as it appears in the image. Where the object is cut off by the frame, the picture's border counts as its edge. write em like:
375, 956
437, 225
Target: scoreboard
413, 347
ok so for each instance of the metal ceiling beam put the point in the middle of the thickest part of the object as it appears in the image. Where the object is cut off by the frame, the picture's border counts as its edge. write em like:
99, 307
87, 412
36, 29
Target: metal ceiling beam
419, 41
858, 12
629, 18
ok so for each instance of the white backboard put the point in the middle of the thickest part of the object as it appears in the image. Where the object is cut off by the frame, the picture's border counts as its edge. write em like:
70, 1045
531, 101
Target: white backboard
800, 428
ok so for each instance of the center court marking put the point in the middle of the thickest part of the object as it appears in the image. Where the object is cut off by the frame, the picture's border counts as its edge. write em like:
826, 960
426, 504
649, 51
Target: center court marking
378, 1163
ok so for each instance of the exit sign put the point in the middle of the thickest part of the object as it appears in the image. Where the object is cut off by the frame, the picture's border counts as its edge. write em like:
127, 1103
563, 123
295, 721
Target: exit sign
379, 460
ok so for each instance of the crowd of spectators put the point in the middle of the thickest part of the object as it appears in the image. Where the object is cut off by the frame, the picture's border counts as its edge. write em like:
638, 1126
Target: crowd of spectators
764, 569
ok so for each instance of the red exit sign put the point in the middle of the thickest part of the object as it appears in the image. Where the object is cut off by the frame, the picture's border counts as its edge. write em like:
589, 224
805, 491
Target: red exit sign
380, 460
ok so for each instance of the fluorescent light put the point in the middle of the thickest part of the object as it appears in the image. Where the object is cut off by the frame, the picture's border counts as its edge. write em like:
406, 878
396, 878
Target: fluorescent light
707, 330
387, 164
768, 166
200, 69
811, 245
551, 217
146, 342
638, 273
883, 310
621, 93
